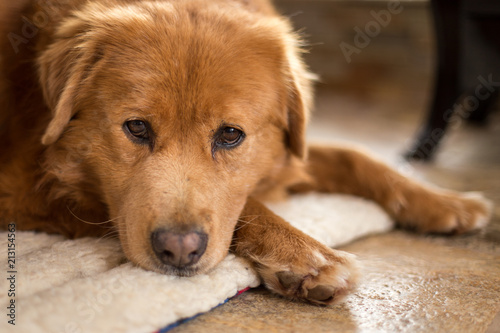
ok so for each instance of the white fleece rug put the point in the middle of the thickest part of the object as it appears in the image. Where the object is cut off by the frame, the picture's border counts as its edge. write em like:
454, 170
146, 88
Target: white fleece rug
86, 285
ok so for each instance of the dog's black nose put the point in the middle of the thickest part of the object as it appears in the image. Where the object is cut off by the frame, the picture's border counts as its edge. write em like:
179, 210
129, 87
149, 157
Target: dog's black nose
178, 249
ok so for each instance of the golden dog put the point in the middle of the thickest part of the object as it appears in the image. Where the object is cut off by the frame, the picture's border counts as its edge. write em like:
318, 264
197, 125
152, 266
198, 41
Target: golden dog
170, 120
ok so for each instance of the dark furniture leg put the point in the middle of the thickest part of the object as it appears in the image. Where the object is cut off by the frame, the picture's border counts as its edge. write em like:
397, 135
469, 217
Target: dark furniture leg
446, 92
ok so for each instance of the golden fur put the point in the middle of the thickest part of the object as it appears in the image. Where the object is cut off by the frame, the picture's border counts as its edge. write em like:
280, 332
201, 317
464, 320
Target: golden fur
74, 74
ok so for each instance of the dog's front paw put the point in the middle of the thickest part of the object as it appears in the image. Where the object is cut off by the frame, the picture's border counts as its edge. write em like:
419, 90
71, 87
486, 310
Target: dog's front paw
448, 212
320, 276
289, 262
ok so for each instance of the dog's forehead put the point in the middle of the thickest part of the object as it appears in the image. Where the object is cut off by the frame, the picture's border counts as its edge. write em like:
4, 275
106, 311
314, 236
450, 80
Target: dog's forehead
202, 62
200, 72
198, 91
191, 44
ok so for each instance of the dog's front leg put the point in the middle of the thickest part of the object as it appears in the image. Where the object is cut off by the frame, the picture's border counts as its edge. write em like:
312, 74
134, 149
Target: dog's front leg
289, 262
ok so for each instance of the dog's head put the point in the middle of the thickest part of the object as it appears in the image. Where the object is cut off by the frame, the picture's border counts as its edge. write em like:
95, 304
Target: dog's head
172, 116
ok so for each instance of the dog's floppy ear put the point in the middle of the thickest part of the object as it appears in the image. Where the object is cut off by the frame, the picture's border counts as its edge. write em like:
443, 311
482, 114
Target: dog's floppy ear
299, 101
297, 119
63, 109
62, 71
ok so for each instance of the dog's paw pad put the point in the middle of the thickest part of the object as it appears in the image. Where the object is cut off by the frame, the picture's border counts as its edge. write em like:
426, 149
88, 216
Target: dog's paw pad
306, 280
321, 293
289, 280
295, 284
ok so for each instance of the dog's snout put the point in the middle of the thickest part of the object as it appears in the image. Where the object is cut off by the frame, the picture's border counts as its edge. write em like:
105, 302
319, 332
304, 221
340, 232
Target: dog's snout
178, 249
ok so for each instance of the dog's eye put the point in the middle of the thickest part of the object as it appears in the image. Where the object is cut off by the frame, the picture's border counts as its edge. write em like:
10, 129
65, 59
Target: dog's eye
138, 129
228, 137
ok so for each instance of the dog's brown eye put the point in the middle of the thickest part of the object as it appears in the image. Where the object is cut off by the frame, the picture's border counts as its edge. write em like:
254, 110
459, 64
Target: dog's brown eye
227, 137
230, 135
138, 130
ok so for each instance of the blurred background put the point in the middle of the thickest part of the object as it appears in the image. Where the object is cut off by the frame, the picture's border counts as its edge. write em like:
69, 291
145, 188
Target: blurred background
390, 76
403, 48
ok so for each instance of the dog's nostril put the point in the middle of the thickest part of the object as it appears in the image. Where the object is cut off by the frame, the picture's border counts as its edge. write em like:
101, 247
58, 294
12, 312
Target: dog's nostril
168, 254
194, 254
178, 249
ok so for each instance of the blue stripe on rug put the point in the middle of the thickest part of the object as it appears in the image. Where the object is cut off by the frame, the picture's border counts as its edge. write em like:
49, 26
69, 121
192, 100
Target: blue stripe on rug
184, 320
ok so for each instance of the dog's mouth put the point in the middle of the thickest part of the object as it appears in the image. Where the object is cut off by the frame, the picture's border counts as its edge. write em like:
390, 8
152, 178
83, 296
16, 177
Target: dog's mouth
176, 271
